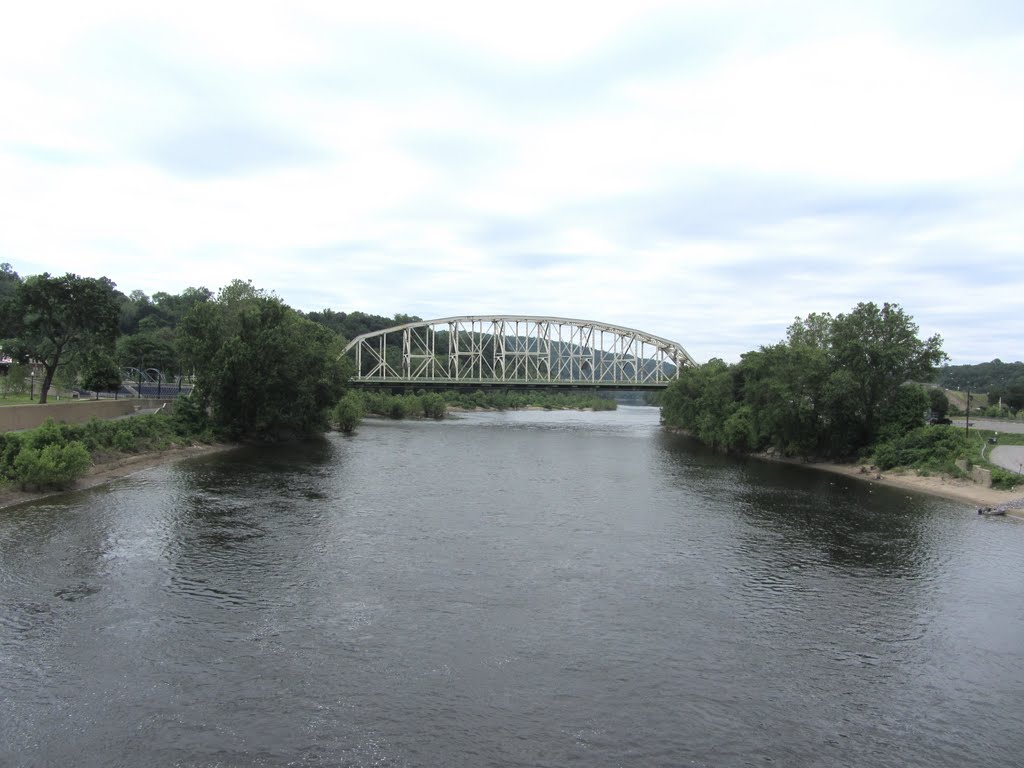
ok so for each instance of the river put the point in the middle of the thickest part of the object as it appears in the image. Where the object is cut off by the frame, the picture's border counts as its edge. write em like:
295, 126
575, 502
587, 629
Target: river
513, 589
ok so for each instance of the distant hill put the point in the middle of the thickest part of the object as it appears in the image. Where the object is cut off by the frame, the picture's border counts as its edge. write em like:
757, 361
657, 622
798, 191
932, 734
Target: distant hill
995, 376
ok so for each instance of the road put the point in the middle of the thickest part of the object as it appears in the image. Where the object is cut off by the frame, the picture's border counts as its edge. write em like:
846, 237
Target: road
1009, 457
996, 425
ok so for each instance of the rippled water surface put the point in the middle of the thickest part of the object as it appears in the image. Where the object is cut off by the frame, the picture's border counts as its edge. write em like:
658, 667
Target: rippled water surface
520, 589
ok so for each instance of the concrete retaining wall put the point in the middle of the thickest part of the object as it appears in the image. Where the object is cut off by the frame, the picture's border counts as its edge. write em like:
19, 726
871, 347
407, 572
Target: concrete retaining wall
981, 476
14, 417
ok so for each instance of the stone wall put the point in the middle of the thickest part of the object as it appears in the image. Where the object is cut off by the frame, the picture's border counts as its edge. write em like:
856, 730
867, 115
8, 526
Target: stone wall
979, 475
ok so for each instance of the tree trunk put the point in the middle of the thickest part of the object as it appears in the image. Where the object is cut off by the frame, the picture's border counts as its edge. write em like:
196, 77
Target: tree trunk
47, 381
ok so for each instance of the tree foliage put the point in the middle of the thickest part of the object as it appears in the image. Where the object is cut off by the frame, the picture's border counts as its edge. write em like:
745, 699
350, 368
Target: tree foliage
99, 372
931, 448
992, 377
9, 282
827, 390
59, 320
265, 371
349, 412
53, 466
938, 402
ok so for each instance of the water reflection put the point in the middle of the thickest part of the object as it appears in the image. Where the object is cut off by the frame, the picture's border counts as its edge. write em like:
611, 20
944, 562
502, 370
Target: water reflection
534, 589
807, 515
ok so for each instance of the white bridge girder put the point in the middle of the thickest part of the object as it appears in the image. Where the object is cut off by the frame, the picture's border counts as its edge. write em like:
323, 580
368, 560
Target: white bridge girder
516, 350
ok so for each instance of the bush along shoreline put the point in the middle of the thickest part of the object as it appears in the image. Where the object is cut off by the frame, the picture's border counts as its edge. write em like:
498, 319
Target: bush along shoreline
54, 456
434, 405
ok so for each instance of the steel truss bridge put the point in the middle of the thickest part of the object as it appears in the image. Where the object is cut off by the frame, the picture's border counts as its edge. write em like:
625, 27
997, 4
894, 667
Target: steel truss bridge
515, 352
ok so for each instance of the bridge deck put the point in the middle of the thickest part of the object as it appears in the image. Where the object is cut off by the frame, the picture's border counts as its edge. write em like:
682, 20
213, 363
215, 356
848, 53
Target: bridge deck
391, 382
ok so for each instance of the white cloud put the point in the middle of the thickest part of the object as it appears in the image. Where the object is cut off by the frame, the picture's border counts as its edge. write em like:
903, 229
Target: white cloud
705, 171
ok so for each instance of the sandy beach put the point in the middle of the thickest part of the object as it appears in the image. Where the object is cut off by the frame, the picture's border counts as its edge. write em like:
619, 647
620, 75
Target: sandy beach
957, 489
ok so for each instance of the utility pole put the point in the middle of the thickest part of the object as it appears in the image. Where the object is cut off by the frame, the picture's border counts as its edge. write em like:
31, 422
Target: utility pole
967, 419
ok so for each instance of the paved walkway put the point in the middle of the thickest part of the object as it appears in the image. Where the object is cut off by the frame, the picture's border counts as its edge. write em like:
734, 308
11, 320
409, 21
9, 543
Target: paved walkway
1009, 457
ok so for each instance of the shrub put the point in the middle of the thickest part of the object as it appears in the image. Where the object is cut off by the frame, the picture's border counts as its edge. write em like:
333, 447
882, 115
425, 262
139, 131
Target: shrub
434, 406
933, 447
48, 433
348, 412
1005, 479
124, 441
55, 466
396, 409
10, 446
190, 416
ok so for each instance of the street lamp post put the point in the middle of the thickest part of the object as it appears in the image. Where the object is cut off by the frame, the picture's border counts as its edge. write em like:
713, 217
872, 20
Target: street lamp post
32, 386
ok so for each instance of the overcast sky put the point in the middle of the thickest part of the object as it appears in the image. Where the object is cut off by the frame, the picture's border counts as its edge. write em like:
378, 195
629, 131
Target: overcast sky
704, 171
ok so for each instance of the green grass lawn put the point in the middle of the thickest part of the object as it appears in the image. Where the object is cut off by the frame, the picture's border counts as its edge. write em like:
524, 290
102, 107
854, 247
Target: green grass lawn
13, 399
1002, 438
24, 400
980, 447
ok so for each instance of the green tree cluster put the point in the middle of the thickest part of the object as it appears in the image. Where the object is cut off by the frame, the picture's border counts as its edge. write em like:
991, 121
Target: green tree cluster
992, 377
830, 390
264, 371
66, 321
149, 329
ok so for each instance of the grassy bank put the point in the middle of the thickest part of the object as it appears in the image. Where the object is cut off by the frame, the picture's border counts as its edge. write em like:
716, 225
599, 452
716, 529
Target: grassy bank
936, 449
54, 456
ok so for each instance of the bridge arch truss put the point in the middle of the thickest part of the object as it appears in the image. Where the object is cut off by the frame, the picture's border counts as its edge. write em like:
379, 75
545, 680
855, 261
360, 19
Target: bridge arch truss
516, 350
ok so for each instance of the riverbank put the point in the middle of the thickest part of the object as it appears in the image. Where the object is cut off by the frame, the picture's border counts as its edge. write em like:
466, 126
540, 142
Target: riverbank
105, 472
947, 487
953, 488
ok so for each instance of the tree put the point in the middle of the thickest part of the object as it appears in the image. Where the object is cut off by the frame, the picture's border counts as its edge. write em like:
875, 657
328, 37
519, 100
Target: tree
172, 308
702, 400
330, 319
56, 320
9, 282
879, 347
265, 371
14, 381
938, 402
100, 373
905, 412
155, 347
828, 390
